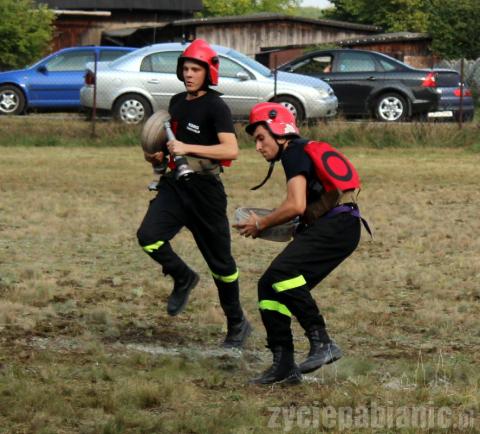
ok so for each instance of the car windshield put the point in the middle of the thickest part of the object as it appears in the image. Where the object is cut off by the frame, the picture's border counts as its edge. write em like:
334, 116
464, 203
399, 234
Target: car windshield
256, 66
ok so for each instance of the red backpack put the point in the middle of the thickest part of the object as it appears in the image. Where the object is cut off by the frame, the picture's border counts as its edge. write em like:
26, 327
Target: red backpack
333, 169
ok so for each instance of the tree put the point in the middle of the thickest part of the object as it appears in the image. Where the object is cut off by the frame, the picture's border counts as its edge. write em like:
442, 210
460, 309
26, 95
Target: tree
453, 24
244, 7
310, 12
454, 28
25, 32
391, 15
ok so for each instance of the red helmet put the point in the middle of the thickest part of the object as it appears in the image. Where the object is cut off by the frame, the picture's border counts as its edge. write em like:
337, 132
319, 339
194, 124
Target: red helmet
276, 118
200, 51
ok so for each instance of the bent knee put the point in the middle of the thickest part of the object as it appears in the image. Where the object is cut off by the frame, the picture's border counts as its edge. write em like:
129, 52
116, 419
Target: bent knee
142, 237
147, 241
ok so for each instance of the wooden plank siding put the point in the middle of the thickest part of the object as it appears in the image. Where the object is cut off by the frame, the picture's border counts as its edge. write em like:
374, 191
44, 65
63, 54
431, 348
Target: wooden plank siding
72, 30
251, 38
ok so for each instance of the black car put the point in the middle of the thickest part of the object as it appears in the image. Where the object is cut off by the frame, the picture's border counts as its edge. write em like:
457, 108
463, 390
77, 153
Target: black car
371, 83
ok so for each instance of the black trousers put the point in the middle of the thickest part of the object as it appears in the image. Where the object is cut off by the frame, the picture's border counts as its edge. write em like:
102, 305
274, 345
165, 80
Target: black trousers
199, 204
284, 289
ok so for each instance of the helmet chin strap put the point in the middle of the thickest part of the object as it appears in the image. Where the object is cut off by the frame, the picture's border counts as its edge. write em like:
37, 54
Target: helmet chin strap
269, 174
272, 165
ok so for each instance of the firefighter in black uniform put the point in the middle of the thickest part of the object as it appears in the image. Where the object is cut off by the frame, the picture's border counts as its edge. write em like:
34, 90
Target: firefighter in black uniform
331, 235
205, 136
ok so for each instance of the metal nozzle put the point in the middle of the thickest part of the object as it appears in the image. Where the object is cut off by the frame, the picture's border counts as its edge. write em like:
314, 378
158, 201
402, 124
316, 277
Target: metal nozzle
182, 168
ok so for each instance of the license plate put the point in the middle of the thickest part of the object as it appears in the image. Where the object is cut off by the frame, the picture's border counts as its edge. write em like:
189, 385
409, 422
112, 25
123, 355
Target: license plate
445, 114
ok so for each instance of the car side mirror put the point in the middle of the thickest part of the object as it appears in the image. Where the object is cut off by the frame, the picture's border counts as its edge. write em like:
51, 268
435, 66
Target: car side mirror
242, 76
42, 69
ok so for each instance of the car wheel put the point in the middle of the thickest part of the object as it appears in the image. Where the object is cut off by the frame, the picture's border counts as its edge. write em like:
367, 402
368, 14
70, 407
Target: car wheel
12, 100
132, 109
391, 107
292, 104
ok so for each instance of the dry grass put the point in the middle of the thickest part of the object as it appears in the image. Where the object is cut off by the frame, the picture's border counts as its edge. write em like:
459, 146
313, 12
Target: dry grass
77, 295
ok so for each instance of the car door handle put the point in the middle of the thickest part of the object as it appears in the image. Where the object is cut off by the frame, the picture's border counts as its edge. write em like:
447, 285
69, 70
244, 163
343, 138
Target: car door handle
154, 81
371, 78
326, 79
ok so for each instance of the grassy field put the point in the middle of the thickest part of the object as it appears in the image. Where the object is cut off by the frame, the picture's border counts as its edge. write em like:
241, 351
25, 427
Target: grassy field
70, 131
87, 347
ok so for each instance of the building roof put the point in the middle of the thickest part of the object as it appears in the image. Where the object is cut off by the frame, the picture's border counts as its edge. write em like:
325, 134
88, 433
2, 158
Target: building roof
385, 37
275, 17
82, 13
154, 5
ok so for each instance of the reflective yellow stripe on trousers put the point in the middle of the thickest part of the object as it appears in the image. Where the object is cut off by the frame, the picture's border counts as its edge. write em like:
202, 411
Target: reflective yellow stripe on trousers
226, 279
285, 285
276, 306
151, 247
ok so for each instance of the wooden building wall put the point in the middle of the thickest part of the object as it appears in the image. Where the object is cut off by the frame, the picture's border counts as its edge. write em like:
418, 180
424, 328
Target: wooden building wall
72, 30
250, 38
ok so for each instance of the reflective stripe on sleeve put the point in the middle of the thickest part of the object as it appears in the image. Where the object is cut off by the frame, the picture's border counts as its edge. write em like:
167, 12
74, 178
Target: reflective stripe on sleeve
151, 247
276, 306
289, 284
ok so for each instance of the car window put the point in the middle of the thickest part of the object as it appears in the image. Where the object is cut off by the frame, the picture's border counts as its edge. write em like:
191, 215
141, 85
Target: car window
388, 66
109, 55
132, 54
356, 62
251, 63
165, 62
71, 61
313, 65
448, 79
229, 68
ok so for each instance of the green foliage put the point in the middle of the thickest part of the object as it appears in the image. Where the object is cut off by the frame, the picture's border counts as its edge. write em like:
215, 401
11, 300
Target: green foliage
454, 28
453, 24
309, 12
391, 15
25, 32
244, 7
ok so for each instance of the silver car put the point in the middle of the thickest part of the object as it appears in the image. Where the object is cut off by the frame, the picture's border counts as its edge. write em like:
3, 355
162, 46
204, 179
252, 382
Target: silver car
139, 83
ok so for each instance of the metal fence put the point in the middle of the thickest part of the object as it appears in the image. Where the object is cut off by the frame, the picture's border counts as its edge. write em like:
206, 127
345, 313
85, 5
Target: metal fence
145, 80
365, 87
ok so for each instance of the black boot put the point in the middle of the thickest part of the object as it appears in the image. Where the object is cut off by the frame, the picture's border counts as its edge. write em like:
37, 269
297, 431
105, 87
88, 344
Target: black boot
181, 290
321, 352
283, 370
237, 334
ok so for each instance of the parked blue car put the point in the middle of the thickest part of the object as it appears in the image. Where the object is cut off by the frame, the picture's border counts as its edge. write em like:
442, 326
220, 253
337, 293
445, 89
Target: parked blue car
448, 87
54, 82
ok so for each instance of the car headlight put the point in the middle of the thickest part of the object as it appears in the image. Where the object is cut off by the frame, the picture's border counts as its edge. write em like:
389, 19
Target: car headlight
325, 93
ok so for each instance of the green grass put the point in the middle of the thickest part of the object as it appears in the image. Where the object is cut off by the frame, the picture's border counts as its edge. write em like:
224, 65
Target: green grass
70, 131
36, 131
86, 345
